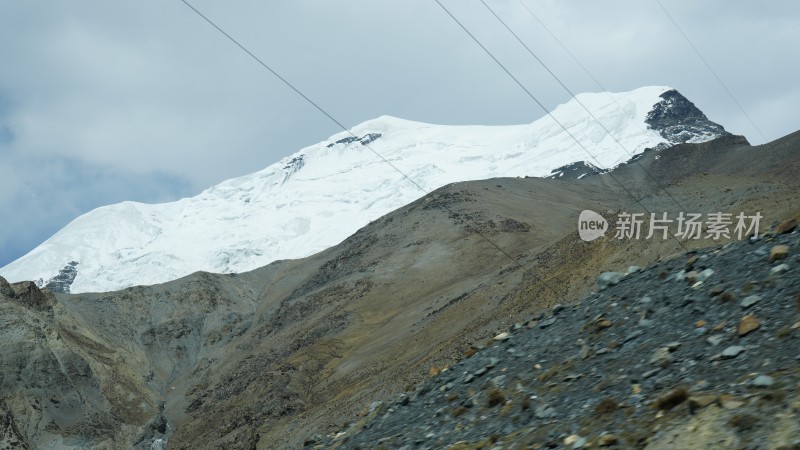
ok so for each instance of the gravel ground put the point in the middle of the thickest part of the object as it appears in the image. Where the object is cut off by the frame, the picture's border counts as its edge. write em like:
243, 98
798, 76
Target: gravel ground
712, 336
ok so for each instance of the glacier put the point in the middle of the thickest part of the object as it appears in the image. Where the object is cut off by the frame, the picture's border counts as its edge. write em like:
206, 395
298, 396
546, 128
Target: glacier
318, 196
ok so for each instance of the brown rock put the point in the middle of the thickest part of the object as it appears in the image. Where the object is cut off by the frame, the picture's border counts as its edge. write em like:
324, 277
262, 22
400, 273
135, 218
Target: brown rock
730, 402
701, 401
502, 336
778, 252
603, 323
748, 324
720, 326
691, 277
700, 323
716, 290
661, 357
434, 371
787, 226
470, 351
672, 399
607, 440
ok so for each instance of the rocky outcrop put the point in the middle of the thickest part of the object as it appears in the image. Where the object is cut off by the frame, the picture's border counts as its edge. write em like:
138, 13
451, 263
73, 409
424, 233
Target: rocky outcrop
363, 140
30, 295
64, 279
5, 289
10, 435
678, 120
575, 171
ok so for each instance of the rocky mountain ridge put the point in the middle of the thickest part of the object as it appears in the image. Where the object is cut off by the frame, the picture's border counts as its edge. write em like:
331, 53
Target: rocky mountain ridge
271, 357
318, 196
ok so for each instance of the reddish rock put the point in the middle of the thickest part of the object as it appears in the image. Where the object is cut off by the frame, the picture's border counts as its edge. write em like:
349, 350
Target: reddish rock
778, 252
787, 226
748, 324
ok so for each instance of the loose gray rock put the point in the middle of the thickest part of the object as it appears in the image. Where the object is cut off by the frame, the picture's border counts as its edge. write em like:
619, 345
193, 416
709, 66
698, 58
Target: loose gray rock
763, 381
633, 336
650, 373
661, 357
704, 275
733, 351
547, 323
672, 346
750, 300
609, 279
545, 412
779, 269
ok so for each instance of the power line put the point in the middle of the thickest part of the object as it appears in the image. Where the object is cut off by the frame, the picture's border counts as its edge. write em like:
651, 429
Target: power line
564, 47
549, 114
452, 214
575, 97
708, 66
575, 59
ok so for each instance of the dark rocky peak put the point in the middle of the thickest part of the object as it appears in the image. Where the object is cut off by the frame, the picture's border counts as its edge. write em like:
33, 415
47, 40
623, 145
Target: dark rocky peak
575, 171
367, 138
292, 167
678, 120
295, 163
363, 140
63, 281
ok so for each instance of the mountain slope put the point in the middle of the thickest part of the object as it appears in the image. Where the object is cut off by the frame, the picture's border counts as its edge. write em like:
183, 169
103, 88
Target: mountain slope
268, 358
313, 199
633, 366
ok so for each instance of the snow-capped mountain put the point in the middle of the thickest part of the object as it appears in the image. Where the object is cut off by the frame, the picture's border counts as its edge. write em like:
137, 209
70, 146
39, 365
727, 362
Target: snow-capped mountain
318, 196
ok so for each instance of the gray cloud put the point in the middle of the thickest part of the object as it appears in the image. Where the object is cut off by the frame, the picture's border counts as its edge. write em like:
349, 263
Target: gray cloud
102, 101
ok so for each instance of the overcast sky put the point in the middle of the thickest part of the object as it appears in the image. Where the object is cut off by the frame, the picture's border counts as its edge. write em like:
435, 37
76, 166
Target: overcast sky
103, 101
